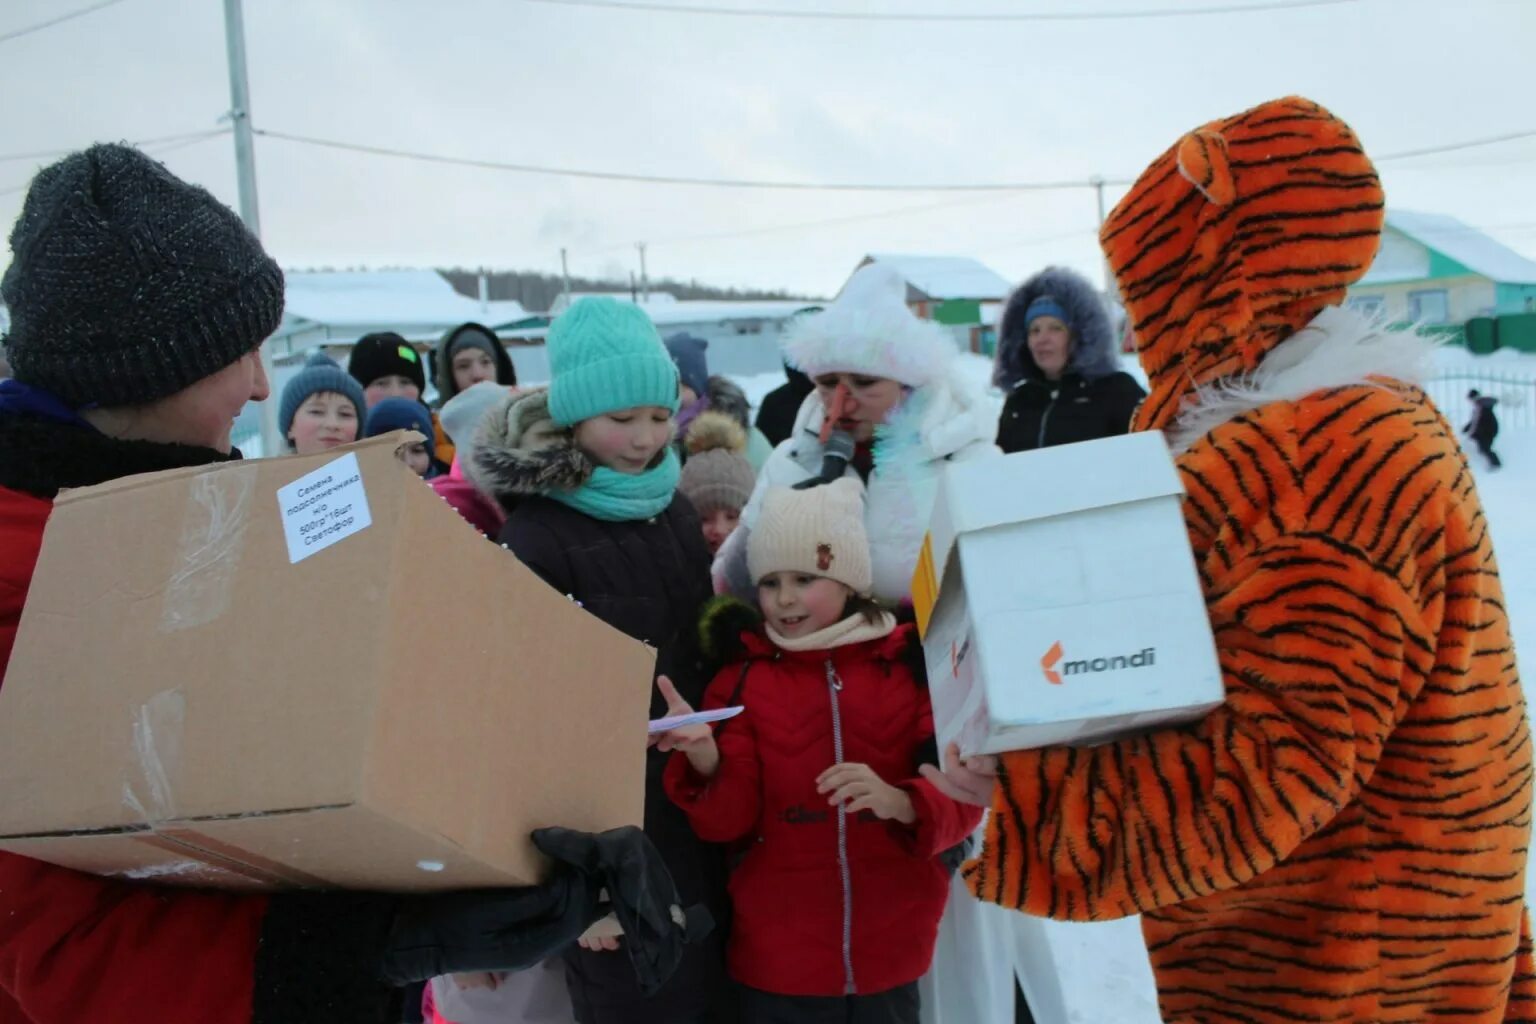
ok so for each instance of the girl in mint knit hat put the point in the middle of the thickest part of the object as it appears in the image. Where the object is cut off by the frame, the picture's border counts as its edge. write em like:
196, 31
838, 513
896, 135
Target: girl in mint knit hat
589, 476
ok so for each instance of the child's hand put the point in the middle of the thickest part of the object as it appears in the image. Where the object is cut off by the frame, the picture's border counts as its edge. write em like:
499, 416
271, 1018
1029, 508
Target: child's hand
858, 788
697, 742
969, 781
603, 936
477, 979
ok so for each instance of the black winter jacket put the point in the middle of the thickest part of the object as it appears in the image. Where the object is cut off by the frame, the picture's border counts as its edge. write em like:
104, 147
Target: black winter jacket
776, 416
1041, 413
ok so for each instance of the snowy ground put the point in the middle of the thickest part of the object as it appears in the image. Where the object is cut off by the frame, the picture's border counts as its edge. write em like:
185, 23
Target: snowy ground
1103, 967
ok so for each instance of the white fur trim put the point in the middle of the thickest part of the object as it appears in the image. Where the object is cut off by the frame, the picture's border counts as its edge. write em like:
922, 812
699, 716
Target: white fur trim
1340, 347
869, 329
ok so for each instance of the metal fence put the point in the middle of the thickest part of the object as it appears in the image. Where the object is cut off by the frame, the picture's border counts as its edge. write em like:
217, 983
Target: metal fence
1514, 388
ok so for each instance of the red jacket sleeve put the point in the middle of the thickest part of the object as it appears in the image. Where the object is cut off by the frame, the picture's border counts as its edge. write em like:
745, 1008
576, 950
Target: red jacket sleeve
941, 822
75, 947
724, 808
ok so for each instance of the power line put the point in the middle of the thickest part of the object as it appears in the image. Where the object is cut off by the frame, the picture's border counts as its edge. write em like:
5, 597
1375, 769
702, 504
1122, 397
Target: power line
18, 33
664, 179
947, 16
53, 154
801, 186
1453, 146
153, 147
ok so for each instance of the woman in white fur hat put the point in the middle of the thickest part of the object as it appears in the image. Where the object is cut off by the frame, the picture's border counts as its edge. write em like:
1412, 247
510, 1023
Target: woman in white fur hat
887, 397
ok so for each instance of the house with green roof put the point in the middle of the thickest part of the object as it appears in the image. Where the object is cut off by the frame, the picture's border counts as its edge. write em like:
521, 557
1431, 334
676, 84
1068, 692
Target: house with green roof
1435, 270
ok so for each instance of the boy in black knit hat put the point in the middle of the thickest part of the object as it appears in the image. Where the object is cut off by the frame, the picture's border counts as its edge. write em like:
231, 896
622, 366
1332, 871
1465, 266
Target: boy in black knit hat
387, 366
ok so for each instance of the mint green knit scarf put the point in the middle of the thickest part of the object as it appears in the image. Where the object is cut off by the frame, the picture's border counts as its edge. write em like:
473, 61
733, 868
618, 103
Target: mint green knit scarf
616, 497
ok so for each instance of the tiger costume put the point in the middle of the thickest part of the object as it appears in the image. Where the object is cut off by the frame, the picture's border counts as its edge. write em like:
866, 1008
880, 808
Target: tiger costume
1344, 839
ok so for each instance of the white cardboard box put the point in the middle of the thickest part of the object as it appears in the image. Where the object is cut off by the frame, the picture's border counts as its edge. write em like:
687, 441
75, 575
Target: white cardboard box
1058, 599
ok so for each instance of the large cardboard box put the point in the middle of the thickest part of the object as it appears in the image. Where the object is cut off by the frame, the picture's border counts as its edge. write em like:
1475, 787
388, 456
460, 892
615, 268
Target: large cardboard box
306, 671
1058, 599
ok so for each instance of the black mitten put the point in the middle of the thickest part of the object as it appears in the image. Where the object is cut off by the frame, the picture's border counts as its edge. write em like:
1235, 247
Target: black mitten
490, 929
644, 897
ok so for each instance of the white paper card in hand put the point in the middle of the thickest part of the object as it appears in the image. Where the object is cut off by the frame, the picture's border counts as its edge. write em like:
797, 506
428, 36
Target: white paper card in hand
696, 718
324, 507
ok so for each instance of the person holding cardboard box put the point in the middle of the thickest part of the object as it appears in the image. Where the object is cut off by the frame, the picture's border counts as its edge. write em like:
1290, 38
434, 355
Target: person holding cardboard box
821, 774
590, 467
1344, 838
1056, 360
138, 307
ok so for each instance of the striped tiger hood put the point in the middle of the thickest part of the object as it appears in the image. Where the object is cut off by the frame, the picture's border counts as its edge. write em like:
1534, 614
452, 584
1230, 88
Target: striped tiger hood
1235, 239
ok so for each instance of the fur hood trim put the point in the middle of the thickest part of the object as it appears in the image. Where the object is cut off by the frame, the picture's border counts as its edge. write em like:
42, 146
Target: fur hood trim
520, 451
1093, 337
870, 330
1340, 347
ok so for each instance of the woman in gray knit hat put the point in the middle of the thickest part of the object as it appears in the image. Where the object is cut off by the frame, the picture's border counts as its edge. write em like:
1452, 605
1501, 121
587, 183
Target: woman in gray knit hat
138, 304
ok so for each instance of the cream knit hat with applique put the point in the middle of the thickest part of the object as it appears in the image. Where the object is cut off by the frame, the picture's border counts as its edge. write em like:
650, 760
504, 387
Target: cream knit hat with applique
819, 532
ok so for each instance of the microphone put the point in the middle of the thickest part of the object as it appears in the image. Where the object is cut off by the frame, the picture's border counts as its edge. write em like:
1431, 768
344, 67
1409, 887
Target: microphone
835, 456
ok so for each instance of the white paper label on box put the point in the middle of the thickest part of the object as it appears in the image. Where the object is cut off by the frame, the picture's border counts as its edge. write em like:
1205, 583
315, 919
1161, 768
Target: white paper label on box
324, 507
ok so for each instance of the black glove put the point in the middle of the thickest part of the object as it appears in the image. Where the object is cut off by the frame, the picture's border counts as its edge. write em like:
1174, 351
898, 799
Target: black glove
644, 898
488, 929
835, 456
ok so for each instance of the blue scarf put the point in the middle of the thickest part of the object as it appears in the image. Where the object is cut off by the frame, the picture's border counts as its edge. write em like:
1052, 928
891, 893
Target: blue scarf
17, 398
616, 497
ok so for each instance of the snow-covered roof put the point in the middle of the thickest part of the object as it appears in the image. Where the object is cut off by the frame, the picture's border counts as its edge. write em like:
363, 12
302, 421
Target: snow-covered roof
715, 310
385, 299
652, 301
946, 277
1464, 244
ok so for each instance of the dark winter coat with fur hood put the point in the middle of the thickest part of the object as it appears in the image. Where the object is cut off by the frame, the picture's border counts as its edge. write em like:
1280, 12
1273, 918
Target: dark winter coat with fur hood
650, 579
1093, 398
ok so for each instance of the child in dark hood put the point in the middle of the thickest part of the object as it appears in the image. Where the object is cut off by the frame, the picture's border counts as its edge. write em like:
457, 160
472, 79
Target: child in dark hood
1056, 359
590, 474
468, 354
1483, 427
405, 414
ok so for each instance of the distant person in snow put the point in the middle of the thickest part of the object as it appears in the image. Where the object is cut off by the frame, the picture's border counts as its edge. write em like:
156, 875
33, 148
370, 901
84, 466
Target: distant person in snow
1483, 427
1056, 360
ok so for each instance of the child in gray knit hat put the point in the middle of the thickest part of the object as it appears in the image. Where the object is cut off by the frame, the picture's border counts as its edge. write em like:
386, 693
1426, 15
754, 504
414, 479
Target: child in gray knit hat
717, 477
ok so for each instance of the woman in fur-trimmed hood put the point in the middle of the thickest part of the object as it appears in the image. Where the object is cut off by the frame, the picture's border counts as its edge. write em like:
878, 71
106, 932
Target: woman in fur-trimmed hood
1056, 360
1345, 837
886, 386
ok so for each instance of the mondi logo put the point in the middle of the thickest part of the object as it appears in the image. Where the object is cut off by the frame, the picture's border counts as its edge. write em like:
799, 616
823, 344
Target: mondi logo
1145, 658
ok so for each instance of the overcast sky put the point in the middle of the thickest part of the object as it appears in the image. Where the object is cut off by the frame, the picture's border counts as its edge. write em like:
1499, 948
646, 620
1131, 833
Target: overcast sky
783, 99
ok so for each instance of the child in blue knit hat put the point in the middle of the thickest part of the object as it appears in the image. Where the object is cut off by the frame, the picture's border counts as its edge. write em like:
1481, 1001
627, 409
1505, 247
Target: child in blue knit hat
589, 474
321, 408
407, 414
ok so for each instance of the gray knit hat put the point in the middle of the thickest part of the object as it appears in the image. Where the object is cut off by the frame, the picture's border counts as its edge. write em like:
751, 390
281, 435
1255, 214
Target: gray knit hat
128, 284
717, 474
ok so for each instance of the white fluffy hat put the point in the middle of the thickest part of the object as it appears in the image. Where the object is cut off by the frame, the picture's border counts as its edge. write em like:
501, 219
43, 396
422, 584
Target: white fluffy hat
869, 329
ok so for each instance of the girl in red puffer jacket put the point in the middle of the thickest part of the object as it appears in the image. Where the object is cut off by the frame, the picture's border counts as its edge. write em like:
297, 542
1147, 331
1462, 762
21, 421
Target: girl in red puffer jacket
838, 895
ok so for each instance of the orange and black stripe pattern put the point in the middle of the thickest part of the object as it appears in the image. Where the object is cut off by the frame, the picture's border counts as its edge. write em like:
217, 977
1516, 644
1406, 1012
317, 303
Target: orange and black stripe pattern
1236, 237
1345, 838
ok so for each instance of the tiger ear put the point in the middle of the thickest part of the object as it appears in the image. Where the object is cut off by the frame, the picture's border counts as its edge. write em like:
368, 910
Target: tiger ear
1203, 161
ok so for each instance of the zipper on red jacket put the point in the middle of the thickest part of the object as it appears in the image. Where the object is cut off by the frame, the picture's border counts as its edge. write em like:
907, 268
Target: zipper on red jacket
834, 688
